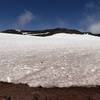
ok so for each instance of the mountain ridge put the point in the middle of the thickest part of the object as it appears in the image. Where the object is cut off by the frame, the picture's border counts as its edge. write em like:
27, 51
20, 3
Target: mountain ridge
47, 32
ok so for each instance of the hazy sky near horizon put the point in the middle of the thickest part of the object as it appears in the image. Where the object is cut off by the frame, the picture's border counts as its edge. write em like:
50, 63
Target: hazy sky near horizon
40, 14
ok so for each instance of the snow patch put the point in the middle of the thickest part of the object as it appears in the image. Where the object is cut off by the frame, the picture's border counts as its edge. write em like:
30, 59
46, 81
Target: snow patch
60, 60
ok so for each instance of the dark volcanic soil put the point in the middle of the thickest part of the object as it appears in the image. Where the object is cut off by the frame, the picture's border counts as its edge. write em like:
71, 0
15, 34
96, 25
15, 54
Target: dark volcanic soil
24, 92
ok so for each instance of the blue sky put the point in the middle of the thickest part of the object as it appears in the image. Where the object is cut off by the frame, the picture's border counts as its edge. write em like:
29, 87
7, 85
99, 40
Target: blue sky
41, 14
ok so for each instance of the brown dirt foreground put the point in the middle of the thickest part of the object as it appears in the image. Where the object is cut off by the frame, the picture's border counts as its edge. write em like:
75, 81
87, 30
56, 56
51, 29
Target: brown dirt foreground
9, 91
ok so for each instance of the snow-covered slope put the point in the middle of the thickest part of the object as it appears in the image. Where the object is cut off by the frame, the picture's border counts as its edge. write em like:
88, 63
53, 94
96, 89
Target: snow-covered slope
60, 60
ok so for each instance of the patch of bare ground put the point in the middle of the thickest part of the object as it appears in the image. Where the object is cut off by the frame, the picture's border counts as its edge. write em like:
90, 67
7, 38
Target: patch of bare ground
10, 91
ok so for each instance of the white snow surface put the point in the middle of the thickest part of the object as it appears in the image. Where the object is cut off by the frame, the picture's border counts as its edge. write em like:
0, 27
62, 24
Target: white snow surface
60, 60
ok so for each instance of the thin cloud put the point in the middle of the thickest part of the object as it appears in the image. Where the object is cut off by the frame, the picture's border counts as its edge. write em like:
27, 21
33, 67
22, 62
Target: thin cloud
92, 17
90, 5
25, 18
95, 28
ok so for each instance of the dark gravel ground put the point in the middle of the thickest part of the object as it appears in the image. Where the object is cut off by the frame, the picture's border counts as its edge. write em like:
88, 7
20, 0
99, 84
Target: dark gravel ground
9, 91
